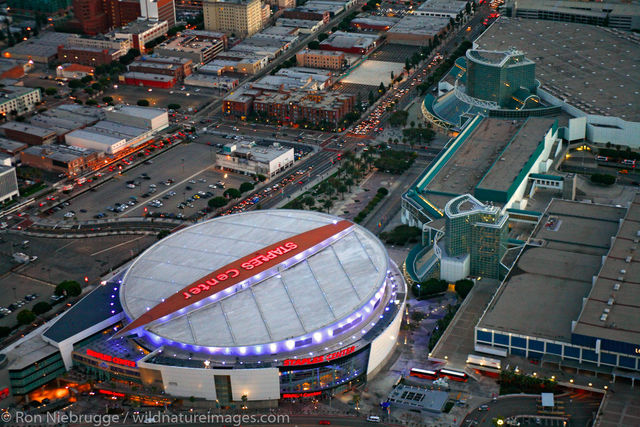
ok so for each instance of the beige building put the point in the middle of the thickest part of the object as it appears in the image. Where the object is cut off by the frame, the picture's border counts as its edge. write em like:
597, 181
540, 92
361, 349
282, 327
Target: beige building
321, 59
240, 17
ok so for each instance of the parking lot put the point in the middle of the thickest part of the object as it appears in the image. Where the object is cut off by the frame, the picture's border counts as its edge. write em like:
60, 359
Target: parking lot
190, 97
394, 53
58, 260
187, 169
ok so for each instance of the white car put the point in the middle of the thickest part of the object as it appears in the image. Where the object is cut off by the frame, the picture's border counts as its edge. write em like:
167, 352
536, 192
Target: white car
69, 215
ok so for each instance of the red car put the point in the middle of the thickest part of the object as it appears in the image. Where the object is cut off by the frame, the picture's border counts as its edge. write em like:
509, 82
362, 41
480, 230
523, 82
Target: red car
325, 422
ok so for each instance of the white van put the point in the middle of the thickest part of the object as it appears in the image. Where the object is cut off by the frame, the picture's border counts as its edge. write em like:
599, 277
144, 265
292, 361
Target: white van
373, 419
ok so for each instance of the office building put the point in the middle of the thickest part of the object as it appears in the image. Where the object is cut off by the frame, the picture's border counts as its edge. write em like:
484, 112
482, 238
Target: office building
239, 17
321, 59
18, 99
199, 50
307, 15
282, 4
89, 17
60, 158
121, 12
8, 183
316, 108
141, 32
159, 10
247, 158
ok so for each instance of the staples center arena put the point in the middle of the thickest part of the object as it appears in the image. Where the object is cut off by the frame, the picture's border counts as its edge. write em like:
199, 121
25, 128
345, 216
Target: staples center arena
267, 304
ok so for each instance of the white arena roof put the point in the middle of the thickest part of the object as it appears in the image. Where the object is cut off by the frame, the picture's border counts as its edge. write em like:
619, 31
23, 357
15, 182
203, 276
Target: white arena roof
319, 290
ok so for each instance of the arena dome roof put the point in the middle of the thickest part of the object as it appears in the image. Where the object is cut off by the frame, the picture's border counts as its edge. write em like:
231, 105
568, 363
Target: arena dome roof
317, 292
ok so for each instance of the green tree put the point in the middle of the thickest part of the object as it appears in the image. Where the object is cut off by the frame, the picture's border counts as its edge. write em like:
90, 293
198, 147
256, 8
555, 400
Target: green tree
25, 317
232, 193
314, 45
323, 37
75, 84
4, 331
217, 202
327, 205
463, 287
309, 201
261, 178
86, 79
162, 234
41, 307
143, 102
91, 102
51, 91
68, 287
107, 99
173, 106
246, 186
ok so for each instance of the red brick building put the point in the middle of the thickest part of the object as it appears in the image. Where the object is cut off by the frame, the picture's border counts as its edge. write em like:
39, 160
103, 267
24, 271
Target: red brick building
312, 107
159, 81
121, 12
87, 55
307, 14
89, 17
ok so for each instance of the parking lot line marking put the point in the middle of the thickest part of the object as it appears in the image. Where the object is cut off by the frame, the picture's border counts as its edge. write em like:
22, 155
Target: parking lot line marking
115, 246
62, 247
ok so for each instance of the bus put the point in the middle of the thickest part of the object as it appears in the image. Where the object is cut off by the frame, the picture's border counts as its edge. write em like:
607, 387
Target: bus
424, 374
454, 375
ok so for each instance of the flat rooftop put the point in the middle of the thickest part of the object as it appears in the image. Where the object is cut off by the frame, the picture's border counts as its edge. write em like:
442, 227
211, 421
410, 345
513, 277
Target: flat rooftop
617, 289
12, 146
418, 398
595, 69
260, 153
554, 271
421, 25
444, 6
516, 154
474, 158
27, 128
133, 110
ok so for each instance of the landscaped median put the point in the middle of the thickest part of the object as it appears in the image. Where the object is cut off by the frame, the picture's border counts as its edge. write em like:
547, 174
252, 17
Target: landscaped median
380, 194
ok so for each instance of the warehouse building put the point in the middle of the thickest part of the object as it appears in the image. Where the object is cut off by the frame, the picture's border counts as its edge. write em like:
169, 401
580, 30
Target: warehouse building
27, 133
581, 264
417, 30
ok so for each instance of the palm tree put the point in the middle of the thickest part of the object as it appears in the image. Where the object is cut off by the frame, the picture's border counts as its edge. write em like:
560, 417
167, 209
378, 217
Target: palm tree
327, 204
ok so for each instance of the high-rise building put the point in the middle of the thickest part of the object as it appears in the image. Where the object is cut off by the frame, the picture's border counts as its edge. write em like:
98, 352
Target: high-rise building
160, 10
475, 239
89, 16
32, 7
497, 76
239, 17
121, 12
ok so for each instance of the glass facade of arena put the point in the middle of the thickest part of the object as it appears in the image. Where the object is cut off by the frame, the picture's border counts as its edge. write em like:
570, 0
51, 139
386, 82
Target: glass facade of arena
496, 81
537, 348
480, 233
344, 372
